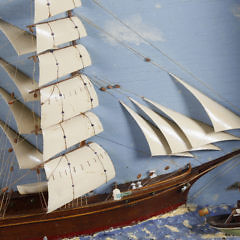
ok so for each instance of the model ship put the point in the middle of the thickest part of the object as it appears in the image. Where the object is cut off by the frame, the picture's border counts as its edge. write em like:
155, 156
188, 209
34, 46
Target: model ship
74, 167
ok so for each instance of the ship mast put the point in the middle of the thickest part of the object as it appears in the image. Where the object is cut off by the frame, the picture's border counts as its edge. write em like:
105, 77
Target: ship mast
66, 120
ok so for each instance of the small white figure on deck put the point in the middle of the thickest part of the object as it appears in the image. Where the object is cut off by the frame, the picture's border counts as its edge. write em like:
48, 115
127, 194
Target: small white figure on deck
139, 184
133, 185
116, 193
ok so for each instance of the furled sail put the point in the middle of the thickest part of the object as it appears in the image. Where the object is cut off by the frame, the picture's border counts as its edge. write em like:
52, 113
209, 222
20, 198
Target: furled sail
32, 188
79, 171
47, 8
27, 155
22, 41
221, 118
58, 63
67, 99
51, 34
198, 133
69, 133
24, 83
31, 121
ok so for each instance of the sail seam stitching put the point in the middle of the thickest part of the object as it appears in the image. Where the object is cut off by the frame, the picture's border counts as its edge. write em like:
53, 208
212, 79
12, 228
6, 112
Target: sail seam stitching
75, 27
57, 64
49, 10
80, 56
52, 33
70, 171
105, 171
89, 93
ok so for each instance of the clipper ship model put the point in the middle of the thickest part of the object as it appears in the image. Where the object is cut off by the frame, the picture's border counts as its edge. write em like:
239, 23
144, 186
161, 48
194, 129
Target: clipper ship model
57, 208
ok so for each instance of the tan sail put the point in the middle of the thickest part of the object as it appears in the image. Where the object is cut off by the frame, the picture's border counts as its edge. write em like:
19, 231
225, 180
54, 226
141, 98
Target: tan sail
157, 144
47, 8
27, 121
24, 83
198, 133
58, 63
27, 155
22, 41
32, 188
66, 99
79, 171
50, 35
221, 118
69, 133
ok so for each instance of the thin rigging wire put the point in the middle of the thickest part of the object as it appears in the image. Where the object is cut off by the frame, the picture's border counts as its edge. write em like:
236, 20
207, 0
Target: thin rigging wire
122, 43
165, 55
214, 178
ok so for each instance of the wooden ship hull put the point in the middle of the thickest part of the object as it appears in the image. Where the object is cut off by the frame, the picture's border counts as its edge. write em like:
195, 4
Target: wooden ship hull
219, 222
26, 220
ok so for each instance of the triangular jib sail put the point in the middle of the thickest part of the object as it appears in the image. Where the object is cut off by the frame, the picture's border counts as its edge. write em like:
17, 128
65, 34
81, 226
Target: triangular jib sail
221, 118
169, 138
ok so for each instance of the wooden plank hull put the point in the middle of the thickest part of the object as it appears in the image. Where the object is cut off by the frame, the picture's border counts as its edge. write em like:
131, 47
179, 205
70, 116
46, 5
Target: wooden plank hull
77, 222
159, 195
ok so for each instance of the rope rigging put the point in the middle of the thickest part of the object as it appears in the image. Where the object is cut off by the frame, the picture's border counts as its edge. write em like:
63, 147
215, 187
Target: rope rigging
183, 68
123, 91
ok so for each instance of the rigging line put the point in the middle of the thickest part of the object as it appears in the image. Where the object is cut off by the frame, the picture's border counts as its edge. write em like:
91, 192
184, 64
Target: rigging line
121, 43
117, 89
122, 92
213, 179
134, 149
41, 194
183, 68
19, 179
96, 83
5, 136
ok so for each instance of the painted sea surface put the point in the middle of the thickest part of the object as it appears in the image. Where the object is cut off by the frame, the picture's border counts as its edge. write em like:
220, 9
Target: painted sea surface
182, 223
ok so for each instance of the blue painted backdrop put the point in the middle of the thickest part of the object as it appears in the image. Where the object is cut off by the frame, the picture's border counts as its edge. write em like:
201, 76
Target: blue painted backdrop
201, 35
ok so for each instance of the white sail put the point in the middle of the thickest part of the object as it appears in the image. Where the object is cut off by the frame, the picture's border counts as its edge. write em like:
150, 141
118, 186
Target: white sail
79, 171
22, 41
24, 83
221, 118
182, 154
207, 147
51, 34
32, 188
66, 99
48, 8
176, 139
198, 133
27, 121
58, 63
27, 155
174, 136
157, 144
64, 135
